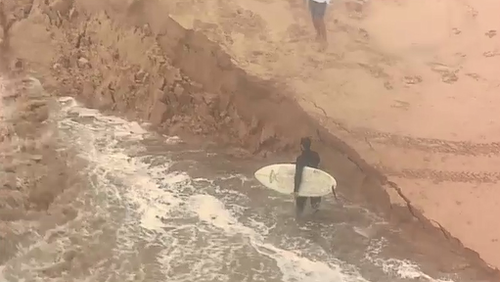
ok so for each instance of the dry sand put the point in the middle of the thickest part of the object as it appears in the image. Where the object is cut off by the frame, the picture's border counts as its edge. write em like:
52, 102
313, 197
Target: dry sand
400, 83
412, 85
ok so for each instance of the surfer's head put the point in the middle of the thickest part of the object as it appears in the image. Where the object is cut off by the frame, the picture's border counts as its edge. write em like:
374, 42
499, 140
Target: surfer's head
305, 144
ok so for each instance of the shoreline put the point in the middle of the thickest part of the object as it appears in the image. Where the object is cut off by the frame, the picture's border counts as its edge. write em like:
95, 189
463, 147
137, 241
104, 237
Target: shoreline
186, 82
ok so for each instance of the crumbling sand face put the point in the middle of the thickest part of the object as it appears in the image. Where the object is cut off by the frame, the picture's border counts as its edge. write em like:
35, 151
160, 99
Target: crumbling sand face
411, 85
129, 57
151, 77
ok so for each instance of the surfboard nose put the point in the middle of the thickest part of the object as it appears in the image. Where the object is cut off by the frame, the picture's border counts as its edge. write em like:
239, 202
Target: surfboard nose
262, 175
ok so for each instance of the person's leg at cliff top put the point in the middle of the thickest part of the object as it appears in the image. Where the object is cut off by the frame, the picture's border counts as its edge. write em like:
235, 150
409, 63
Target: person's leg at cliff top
318, 9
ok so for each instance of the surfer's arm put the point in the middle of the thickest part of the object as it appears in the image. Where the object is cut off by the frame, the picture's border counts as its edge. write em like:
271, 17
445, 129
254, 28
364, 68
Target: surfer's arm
299, 167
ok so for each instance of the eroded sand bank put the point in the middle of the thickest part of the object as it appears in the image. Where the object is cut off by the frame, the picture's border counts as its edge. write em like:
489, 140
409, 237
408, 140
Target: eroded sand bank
369, 90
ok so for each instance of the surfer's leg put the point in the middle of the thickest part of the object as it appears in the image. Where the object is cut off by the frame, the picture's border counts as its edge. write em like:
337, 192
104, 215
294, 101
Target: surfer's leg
315, 201
300, 203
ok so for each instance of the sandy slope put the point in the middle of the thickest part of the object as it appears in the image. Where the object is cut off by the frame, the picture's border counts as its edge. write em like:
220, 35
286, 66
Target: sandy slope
411, 84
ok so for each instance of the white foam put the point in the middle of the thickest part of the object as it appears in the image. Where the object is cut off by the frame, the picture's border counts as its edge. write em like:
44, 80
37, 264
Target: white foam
293, 266
154, 203
156, 194
365, 232
172, 140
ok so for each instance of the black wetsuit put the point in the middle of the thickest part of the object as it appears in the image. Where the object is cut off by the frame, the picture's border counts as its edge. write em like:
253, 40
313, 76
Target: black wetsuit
311, 159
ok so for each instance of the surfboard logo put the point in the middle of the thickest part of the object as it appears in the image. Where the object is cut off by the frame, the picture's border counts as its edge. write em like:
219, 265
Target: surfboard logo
273, 176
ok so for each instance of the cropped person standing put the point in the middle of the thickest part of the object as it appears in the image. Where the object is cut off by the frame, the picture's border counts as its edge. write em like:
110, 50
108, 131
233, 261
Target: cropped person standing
308, 158
318, 9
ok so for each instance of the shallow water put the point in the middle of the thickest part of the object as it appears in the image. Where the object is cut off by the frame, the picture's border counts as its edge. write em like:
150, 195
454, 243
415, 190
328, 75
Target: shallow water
154, 210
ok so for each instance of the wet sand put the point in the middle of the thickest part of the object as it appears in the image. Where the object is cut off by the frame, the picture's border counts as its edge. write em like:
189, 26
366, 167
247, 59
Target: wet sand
131, 59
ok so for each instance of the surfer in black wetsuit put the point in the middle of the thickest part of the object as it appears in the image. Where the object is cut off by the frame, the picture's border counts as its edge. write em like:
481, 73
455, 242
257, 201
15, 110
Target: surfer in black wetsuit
307, 158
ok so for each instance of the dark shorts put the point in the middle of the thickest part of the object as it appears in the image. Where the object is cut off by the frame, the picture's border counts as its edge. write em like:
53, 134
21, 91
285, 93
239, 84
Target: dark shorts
317, 9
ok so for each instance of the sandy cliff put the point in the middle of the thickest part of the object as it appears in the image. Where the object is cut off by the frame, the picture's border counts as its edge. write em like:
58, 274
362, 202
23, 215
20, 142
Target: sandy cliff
373, 106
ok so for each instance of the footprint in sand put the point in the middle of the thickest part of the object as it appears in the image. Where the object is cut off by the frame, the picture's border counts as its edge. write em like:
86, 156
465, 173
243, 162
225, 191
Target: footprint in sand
448, 75
491, 33
491, 54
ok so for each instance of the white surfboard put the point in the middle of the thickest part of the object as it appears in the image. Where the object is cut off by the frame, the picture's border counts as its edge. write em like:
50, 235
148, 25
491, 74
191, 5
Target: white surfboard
280, 177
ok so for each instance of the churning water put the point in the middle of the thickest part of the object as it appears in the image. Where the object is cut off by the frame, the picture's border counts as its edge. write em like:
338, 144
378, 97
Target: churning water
152, 210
